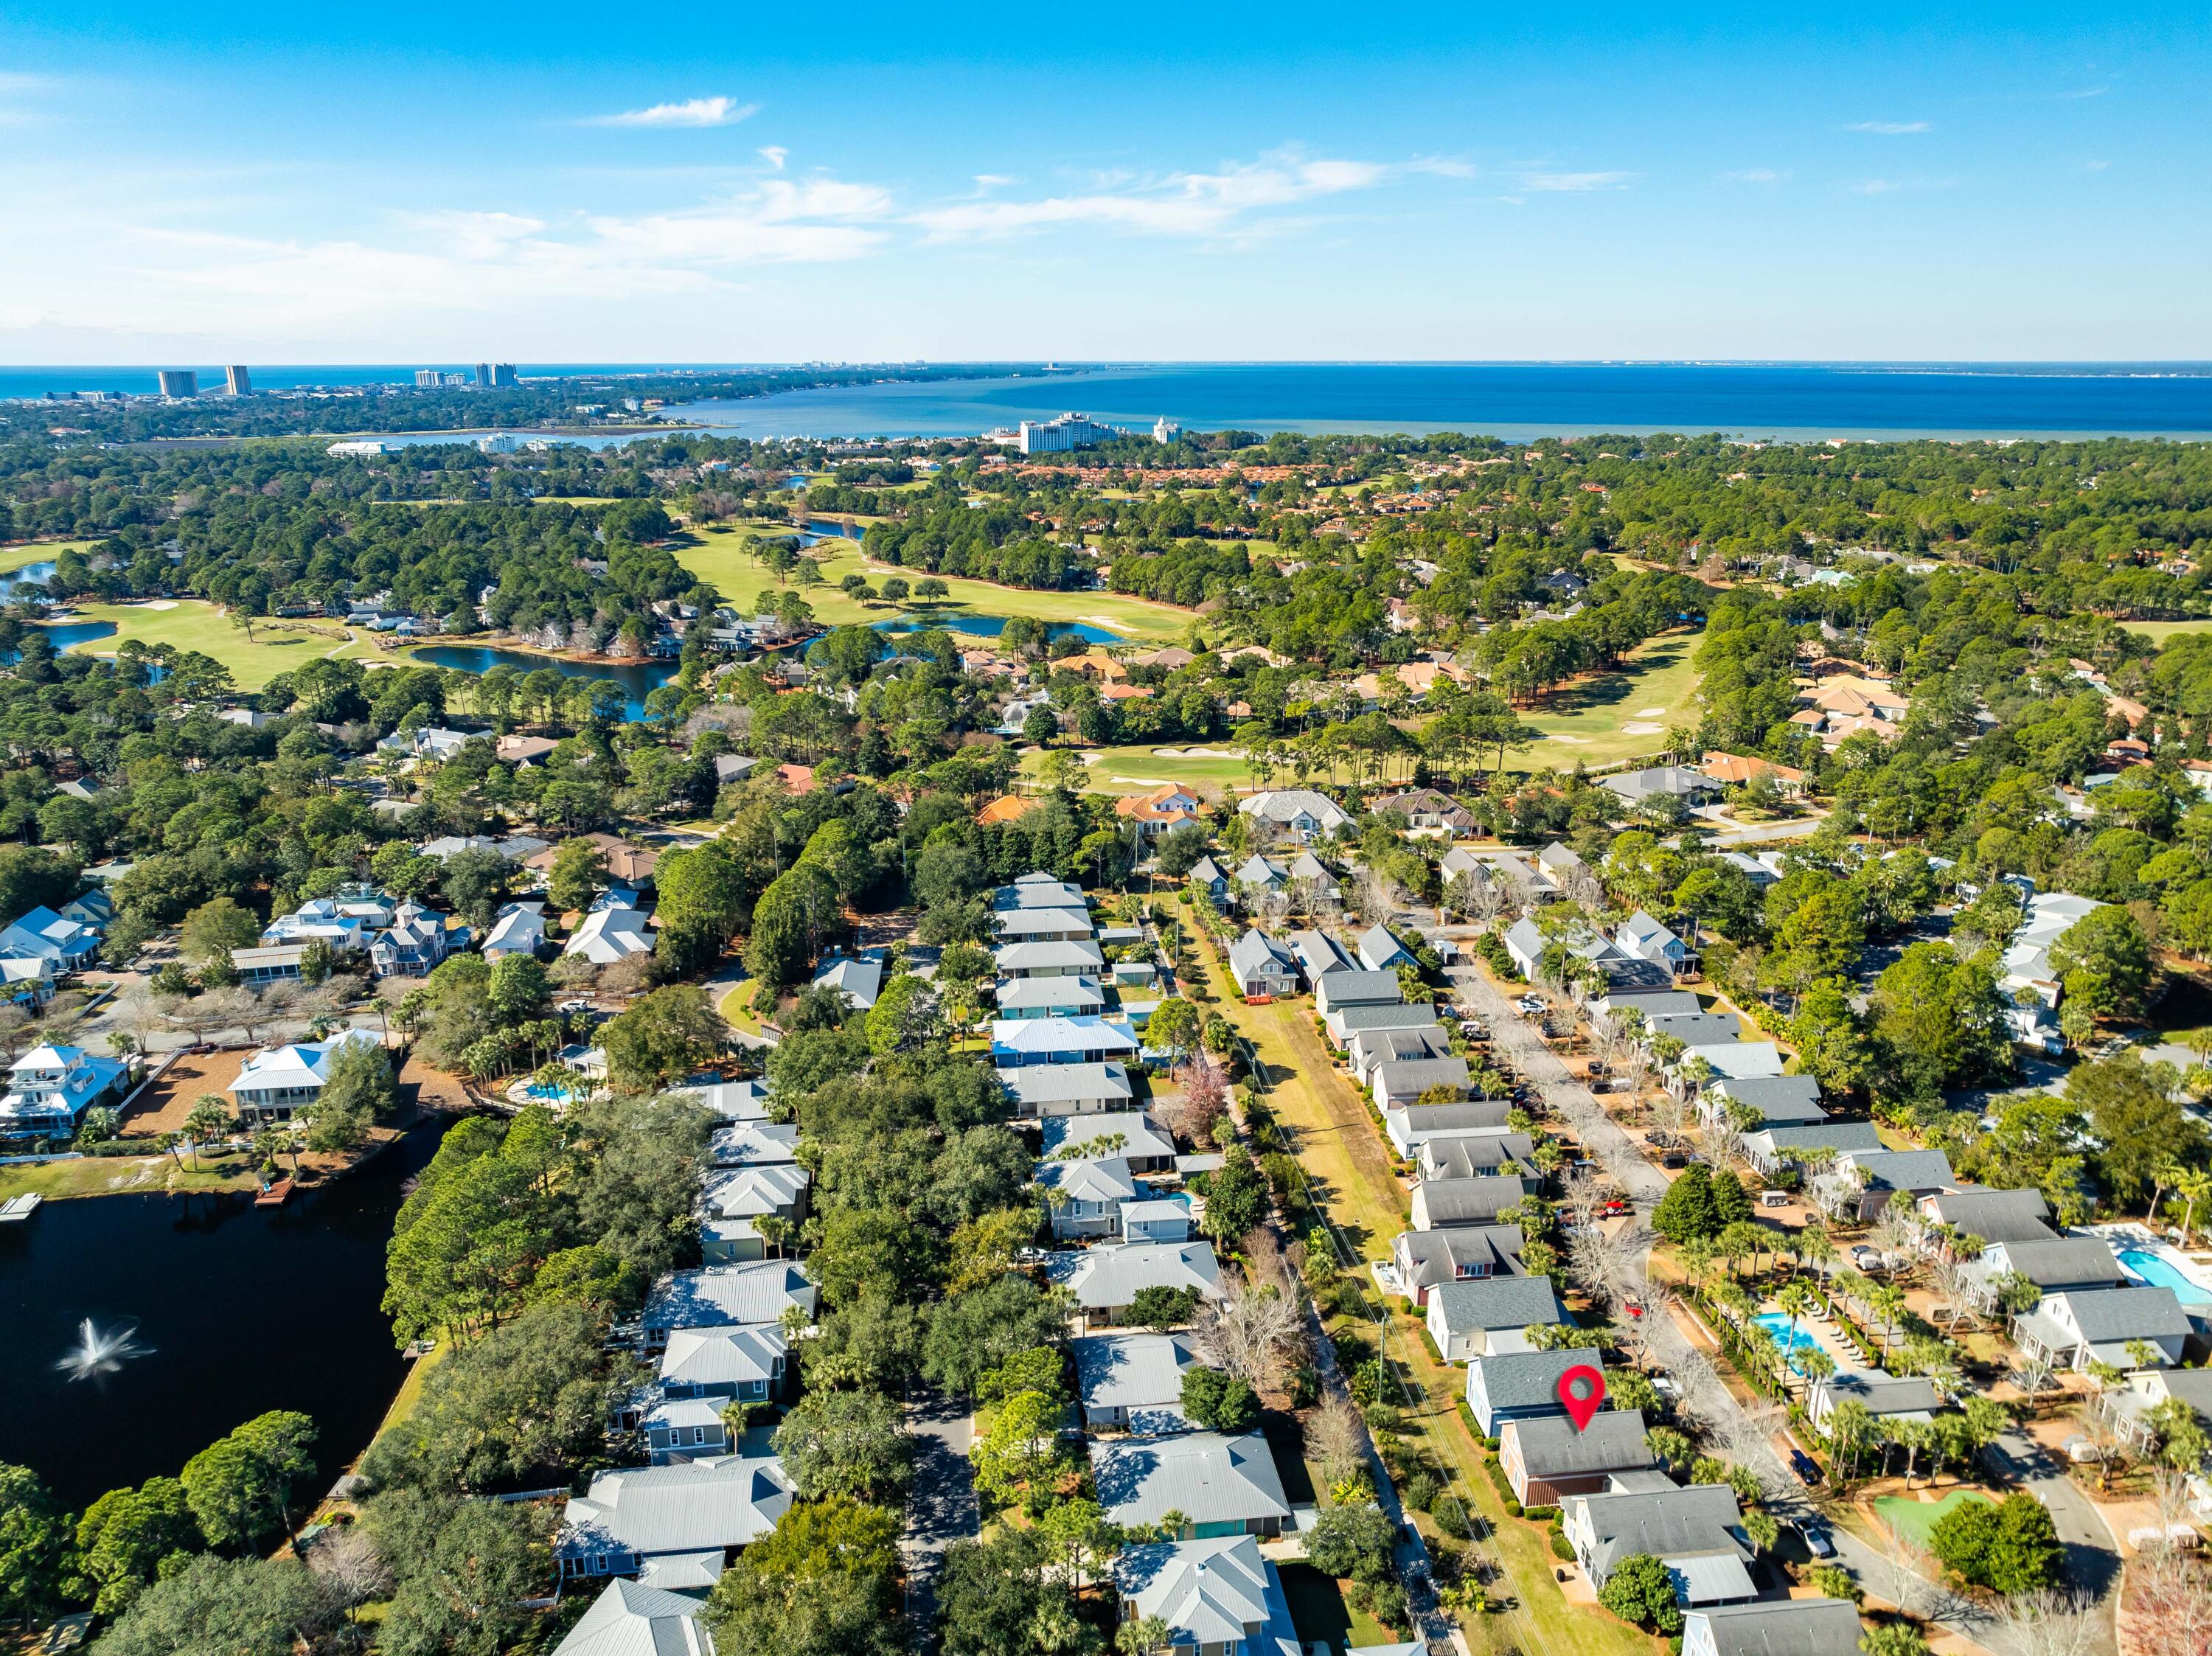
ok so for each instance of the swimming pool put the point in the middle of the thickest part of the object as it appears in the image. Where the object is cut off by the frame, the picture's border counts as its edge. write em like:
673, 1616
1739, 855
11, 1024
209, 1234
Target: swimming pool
2159, 1271
1788, 1341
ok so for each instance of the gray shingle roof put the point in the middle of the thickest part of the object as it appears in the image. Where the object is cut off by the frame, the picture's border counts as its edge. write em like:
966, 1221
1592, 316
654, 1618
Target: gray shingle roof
1429, 1257
1208, 1477
1552, 1447
1779, 1100
1410, 1078
1111, 1275
1796, 1627
1817, 1135
723, 1502
1466, 1201
1897, 1394
1255, 955
1500, 1302
1664, 1523
1347, 987
1476, 1156
1526, 1379
1348, 1021
1088, 1134
1039, 1085
2066, 1262
1996, 1216
1904, 1169
2107, 1315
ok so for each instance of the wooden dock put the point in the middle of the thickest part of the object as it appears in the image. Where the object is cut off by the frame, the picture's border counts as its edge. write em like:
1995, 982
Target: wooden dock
17, 1209
275, 1196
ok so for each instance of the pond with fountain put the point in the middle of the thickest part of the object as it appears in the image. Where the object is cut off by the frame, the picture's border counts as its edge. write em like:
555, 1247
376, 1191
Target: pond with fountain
139, 1329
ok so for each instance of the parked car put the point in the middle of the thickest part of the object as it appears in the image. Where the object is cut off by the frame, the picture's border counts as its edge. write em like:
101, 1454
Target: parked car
1615, 1207
1774, 1198
1807, 1468
1867, 1258
1816, 1539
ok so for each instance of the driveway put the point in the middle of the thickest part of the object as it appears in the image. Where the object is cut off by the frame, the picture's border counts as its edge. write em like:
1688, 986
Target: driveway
941, 1507
1605, 1143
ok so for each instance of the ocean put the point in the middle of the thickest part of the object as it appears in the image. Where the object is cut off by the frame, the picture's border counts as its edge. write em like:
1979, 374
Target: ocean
1517, 401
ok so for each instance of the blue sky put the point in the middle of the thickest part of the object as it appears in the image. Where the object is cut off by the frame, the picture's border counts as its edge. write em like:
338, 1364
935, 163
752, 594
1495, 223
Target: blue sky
550, 183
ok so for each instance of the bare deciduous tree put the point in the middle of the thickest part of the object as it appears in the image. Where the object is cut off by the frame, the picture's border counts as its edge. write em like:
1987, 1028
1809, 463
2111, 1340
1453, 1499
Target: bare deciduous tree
348, 1563
1336, 1438
1254, 1333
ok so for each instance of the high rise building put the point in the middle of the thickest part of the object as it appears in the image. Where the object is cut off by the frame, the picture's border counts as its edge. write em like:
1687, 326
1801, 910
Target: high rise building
178, 382
239, 381
502, 373
484, 376
1061, 433
428, 379
1165, 430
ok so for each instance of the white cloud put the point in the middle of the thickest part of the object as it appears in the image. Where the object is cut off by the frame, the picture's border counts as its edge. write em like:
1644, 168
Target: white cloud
775, 155
2094, 166
1575, 183
2084, 91
1875, 186
1888, 129
1755, 175
1235, 199
692, 112
476, 235
992, 180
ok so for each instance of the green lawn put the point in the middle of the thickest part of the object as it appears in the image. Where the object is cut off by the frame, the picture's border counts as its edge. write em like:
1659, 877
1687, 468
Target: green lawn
191, 624
108, 1175
13, 558
1321, 1616
1135, 770
1916, 1519
2159, 631
1619, 715
724, 557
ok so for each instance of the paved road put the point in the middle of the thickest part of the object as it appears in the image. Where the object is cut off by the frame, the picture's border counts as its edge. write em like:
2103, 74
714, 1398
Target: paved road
941, 1508
1605, 1142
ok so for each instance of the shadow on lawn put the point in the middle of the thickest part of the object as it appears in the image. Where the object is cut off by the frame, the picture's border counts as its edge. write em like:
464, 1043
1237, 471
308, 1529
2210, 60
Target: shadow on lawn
1608, 689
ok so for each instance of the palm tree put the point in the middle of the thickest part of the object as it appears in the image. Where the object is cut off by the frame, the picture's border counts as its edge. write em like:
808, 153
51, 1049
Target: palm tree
1796, 1301
1886, 1300
202, 1121
2193, 1187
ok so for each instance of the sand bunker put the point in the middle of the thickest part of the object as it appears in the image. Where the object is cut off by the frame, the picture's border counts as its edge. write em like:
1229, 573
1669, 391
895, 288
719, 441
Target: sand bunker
161, 604
1641, 728
1106, 622
1196, 753
1651, 713
1575, 741
1142, 781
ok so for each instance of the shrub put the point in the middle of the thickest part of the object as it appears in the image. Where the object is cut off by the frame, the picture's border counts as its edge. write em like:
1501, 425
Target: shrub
1454, 1517
1513, 1509
1561, 1547
2011, 1547
1354, 1541
1421, 1490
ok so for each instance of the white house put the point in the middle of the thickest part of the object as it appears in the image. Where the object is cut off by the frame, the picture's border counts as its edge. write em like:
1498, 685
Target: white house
1781, 1626
609, 935
1300, 812
630, 1619
1476, 1318
278, 1082
673, 1526
519, 929
2073, 1331
1217, 1596
1132, 1382
51, 1087
1048, 1089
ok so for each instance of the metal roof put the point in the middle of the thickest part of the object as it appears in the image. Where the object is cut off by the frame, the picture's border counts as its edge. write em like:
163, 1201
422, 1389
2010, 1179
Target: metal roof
1208, 1477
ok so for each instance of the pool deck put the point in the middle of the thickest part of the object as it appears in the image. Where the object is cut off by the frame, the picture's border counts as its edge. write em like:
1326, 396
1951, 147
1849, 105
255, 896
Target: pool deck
1824, 1335
2134, 1238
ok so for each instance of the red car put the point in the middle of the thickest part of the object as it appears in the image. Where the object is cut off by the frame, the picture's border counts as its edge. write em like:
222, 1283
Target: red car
1615, 1207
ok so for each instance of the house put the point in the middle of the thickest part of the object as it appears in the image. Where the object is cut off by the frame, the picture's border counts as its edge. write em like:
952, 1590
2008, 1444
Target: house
1104, 1279
1424, 1258
1222, 1485
1697, 1533
1128, 1134
722, 1297
1774, 1101
1132, 1382
1545, 1458
1017, 1043
1995, 1215
1732, 770
1772, 1149
1050, 1090
1026, 924
1157, 1218
732, 1201
1477, 1155
1348, 1021
94, 908
728, 1101
610, 935
520, 929
1882, 1174
429, 743
1260, 876
1036, 890
679, 1429
1427, 808
345, 923
278, 1082
1662, 782
51, 1087
1406, 1128
1889, 1397
1647, 939
1217, 1597
1206, 876
2129, 1403
732, 767
1525, 946
1300, 813
1467, 1319
2030, 979
1165, 807
1087, 1196
1438, 1203
625, 864
629, 1619
1521, 1385
1788, 1627
753, 1144
1335, 990
517, 848
1261, 968
69, 945
2066, 1265
1850, 695
1318, 956
673, 1526
412, 946
1559, 868
1733, 1060
1079, 957
1762, 870
522, 749
859, 979
747, 1362
258, 968
1400, 1083
1006, 808
1380, 951
1625, 1000
1309, 881
2072, 1330
1372, 1047
1694, 1028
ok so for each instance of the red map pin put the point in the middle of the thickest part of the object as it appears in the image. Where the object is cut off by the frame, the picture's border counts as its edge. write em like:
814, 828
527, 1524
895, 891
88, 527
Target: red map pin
1582, 1389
